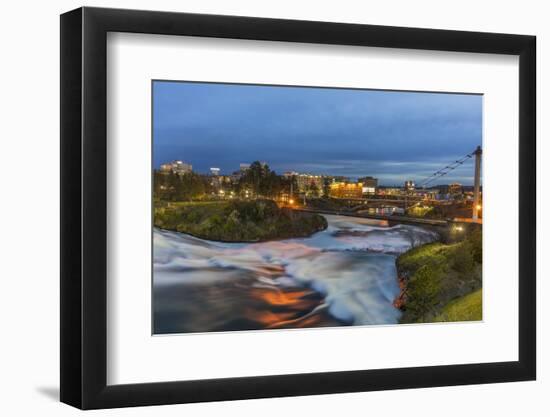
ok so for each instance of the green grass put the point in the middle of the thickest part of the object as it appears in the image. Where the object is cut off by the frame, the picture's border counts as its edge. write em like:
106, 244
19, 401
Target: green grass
467, 308
432, 254
436, 275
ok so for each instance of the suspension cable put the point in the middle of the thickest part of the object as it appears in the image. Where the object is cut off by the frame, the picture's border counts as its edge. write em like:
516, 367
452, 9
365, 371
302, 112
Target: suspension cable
444, 171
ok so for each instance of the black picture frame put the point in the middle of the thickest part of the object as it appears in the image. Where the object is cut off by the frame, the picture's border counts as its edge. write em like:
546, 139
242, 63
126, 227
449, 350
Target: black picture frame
84, 207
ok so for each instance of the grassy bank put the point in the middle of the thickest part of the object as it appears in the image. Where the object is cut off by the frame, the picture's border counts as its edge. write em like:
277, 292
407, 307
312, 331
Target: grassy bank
467, 308
441, 282
237, 221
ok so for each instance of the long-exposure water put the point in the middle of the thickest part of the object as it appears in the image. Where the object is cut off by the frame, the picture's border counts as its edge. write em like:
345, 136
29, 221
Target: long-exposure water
344, 275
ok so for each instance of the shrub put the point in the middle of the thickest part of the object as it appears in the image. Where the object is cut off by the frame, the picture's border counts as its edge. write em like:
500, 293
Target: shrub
463, 260
233, 221
193, 216
476, 242
423, 291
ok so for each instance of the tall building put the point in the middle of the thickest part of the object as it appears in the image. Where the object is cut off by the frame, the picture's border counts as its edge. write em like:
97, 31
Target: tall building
346, 190
215, 171
176, 167
243, 167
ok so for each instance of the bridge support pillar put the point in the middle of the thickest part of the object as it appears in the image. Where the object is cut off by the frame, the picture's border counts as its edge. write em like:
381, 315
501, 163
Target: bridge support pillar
477, 178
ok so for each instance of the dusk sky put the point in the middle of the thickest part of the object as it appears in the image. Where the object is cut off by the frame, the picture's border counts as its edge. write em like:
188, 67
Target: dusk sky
394, 136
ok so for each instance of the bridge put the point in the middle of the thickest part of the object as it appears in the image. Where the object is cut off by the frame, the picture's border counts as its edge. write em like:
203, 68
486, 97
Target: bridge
477, 177
389, 219
363, 206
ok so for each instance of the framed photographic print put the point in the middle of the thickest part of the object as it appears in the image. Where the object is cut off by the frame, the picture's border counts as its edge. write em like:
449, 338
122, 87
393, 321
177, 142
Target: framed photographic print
258, 207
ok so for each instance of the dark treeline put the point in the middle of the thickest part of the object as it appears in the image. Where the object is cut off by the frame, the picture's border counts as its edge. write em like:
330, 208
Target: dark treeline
257, 181
180, 187
260, 181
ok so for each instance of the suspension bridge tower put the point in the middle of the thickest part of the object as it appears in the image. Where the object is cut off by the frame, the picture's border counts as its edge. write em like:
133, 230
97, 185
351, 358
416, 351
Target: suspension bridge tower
477, 178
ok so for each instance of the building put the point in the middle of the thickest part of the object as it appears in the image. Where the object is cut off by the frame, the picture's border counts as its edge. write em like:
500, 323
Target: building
455, 189
429, 194
215, 172
290, 174
237, 175
308, 184
311, 185
220, 182
384, 190
346, 190
176, 167
409, 186
338, 178
370, 184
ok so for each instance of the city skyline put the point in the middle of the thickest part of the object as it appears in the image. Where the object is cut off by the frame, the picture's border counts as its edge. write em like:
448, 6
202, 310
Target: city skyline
393, 136
209, 172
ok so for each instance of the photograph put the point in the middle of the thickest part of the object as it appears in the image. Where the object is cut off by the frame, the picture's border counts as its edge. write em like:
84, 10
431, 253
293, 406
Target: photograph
274, 204
291, 207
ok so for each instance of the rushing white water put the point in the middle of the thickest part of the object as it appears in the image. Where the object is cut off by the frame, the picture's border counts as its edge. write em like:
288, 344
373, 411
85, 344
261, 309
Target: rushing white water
344, 275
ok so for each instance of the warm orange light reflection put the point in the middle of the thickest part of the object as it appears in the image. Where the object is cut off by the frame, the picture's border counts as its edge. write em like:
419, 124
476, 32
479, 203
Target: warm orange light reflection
283, 308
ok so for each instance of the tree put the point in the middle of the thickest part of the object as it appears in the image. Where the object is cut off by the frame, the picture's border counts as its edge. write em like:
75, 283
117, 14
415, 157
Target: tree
159, 185
260, 181
313, 190
179, 187
326, 187
173, 187
475, 240
289, 185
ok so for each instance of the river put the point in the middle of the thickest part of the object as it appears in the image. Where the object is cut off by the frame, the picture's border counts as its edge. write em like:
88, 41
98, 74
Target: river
344, 275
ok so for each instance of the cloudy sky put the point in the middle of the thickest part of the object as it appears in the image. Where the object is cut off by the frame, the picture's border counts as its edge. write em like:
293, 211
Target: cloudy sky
393, 136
